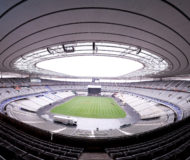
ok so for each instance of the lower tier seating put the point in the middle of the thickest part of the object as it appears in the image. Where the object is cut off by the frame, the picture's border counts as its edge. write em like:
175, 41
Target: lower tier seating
175, 144
17, 145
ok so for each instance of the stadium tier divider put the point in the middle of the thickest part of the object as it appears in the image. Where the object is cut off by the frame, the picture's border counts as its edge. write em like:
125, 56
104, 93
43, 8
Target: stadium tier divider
87, 142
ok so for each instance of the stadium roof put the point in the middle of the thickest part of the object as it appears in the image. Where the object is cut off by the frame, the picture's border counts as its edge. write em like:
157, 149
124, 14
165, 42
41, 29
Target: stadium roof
155, 33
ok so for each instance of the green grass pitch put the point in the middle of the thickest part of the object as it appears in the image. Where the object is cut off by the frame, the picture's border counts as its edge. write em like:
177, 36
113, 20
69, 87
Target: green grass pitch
90, 107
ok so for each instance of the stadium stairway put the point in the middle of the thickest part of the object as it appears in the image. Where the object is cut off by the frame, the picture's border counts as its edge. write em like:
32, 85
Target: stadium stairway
94, 156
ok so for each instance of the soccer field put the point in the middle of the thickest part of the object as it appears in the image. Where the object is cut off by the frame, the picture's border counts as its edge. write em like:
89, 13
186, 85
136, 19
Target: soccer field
90, 107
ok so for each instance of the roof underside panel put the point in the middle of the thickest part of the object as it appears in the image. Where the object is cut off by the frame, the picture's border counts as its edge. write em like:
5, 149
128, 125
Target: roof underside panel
161, 27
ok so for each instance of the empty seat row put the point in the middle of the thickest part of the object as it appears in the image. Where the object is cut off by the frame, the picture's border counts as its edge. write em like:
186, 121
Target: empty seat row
163, 139
172, 145
19, 145
30, 139
158, 152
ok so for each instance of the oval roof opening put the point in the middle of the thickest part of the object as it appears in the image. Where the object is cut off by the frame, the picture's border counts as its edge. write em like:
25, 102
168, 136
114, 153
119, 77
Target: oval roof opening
91, 66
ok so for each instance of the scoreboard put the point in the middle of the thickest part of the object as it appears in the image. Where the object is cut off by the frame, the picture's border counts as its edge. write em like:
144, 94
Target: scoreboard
93, 89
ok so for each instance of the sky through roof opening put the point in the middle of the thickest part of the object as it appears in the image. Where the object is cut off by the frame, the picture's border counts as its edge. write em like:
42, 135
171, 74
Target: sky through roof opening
91, 66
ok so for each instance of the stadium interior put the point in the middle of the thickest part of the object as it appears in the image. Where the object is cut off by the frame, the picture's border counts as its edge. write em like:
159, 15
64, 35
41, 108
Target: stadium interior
50, 110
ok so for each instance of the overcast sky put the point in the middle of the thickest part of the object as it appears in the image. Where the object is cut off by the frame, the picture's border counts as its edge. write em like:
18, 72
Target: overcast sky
91, 66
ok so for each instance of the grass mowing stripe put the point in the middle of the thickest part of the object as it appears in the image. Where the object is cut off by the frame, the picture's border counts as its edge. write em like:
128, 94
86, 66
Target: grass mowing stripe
90, 107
